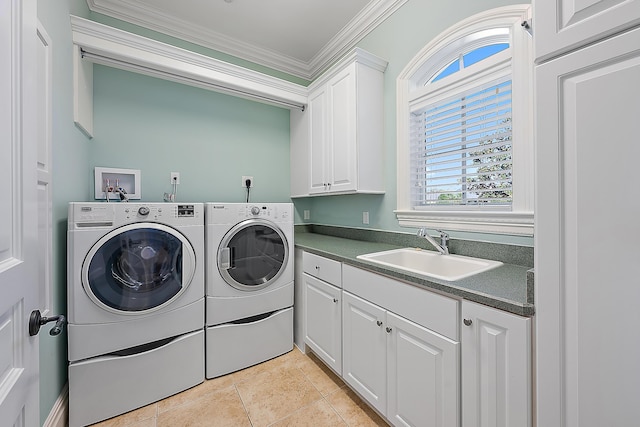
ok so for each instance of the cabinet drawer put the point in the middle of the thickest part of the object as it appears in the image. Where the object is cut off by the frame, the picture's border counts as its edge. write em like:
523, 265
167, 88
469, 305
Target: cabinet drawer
431, 310
323, 268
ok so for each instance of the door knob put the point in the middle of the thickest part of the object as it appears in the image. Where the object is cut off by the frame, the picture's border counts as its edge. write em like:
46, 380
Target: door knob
36, 321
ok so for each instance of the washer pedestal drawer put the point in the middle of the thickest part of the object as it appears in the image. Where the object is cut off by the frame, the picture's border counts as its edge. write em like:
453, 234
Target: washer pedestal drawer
235, 346
105, 386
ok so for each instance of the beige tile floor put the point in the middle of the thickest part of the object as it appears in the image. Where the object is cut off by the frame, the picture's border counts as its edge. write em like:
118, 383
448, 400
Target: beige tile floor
291, 390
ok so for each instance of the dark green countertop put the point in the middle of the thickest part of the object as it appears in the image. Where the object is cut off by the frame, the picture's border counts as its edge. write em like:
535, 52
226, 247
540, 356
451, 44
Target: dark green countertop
508, 287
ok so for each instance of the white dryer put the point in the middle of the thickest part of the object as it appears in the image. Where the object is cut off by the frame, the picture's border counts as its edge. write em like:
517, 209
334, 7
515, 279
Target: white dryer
135, 305
249, 277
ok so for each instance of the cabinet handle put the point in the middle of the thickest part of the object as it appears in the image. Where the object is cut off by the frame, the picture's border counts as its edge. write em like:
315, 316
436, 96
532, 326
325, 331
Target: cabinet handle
335, 300
379, 322
467, 322
317, 267
389, 330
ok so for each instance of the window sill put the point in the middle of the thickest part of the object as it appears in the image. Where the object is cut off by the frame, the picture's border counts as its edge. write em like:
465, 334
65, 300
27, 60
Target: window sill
512, 223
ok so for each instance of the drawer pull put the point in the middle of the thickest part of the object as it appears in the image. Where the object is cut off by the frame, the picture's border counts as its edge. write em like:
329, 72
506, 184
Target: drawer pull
379, 322
335, 300
389, 330
468, 322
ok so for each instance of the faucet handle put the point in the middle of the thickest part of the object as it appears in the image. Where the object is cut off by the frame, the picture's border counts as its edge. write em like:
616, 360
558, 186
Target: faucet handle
421, 232
443, 234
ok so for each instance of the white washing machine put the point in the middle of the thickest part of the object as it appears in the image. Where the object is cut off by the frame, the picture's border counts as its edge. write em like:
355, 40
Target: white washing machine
249, 271
135, 305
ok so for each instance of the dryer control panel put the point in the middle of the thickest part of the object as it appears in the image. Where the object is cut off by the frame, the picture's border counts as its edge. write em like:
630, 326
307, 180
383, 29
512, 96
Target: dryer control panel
231, 213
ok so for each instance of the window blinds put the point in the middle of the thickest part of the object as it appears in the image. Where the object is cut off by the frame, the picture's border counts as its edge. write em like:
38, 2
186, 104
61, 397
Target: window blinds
460, 151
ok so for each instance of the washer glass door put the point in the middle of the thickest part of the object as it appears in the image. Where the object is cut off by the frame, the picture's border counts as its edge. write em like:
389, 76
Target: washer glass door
253, 254
138, 268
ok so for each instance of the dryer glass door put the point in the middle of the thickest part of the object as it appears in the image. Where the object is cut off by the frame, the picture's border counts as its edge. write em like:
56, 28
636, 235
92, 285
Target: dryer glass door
138, 268
253, 254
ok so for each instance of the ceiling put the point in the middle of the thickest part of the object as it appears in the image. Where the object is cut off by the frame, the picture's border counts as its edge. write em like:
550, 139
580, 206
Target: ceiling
297, 37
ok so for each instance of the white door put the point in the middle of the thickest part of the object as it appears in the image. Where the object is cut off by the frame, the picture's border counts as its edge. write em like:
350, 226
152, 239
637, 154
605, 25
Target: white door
18, 214
422, 375
323, 321
586, 261
317, 141
563, 25
364, 350
496, 368
342, 137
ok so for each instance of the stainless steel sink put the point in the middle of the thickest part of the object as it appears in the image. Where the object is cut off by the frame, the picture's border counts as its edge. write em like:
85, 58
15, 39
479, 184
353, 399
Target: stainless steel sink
430, 263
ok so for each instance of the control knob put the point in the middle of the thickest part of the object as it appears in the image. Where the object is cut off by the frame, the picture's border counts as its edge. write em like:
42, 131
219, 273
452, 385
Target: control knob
144, 211
255, 210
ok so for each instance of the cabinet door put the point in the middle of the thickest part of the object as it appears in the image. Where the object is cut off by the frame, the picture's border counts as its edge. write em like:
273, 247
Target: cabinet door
563, 25
342, 131
318, 154
364, 350
323, 318
422, 375
496, 368
586, 261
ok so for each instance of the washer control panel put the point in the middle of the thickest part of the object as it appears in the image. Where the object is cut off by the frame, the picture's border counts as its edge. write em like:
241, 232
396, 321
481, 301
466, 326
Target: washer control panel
87, 215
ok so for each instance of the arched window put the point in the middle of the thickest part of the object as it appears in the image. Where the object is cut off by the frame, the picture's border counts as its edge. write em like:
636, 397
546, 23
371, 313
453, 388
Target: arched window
465, 157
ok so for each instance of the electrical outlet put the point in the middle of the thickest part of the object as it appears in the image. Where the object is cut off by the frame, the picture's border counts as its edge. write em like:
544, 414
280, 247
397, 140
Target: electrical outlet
365, 217
175, 177
307, 214
244, 181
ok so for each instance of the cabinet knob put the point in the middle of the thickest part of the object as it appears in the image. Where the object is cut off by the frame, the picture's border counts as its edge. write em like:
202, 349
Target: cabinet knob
467, 322
317, 267
335, 300
389, 330
379, 322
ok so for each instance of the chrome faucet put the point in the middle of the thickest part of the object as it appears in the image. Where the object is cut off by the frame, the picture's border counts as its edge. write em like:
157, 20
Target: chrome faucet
443, 247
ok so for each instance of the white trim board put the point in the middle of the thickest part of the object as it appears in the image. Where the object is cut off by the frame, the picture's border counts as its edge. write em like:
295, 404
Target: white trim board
59, 415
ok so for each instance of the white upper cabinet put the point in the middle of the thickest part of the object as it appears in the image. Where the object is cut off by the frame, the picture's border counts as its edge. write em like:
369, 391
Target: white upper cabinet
337, 143
564, 25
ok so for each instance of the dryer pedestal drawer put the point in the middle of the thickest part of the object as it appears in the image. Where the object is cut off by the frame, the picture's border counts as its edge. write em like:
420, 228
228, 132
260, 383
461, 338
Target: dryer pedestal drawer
231, 347
106, 386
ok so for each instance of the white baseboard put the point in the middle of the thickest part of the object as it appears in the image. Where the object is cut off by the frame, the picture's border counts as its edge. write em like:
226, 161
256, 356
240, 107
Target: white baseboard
59, 415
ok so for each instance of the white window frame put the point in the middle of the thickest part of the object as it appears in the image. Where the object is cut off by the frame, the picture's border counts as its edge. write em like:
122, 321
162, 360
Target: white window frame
518, 219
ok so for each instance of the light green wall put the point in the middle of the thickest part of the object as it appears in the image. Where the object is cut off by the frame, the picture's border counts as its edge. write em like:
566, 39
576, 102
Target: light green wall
70, 156
398, 40
212, 139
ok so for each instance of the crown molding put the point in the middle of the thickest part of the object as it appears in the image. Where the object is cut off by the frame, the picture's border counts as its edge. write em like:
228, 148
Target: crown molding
366, 21
369, 18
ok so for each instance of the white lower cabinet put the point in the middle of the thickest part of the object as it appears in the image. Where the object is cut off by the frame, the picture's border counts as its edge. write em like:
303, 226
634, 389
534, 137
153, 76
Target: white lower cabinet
364, 350
496, 368
405, 371
418, 357
323, 318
